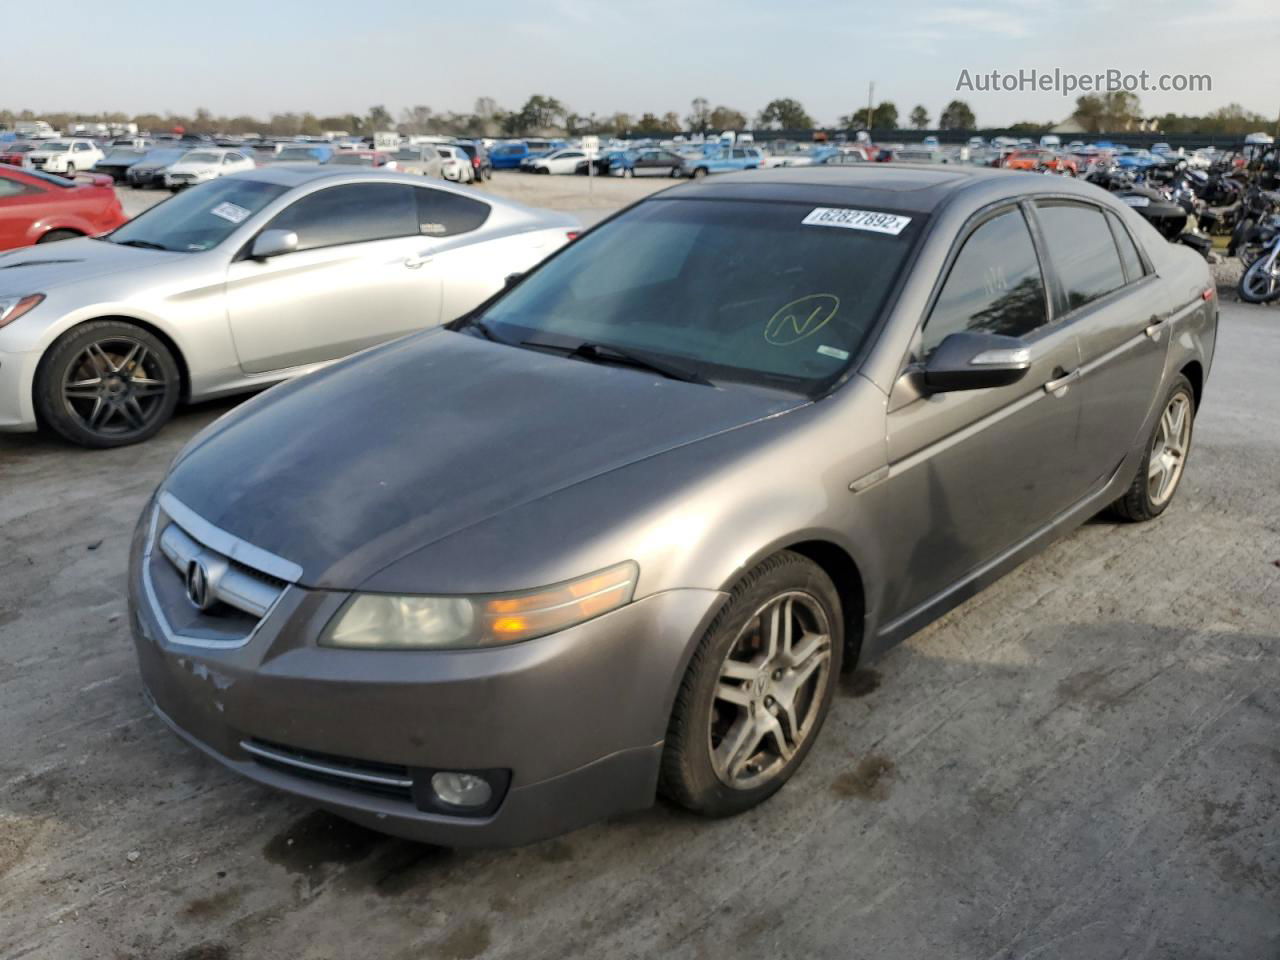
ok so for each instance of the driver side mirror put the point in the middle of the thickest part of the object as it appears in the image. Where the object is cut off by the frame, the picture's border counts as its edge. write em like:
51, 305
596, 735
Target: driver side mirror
976, 361
272, 243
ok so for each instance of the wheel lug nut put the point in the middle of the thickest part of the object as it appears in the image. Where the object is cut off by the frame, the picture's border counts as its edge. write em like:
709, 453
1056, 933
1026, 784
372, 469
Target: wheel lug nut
777, 674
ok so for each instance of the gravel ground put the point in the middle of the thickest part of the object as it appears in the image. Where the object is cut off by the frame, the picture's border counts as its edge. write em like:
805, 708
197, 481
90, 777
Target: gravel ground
1080, 762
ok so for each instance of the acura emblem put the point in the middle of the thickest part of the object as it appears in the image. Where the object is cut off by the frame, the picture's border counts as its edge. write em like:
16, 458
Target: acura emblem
198, 591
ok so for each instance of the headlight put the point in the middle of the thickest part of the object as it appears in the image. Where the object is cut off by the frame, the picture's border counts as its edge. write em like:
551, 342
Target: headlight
377, 621
11, 308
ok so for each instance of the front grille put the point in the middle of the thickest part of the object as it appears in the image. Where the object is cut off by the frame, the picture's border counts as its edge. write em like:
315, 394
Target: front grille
364, 776
238, 595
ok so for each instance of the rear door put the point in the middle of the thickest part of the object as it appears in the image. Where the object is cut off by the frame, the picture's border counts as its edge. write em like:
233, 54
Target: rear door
973, 473
1109, 297
357, 279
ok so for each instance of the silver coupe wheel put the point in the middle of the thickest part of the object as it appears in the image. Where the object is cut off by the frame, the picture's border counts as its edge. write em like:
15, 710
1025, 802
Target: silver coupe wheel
770, 692
1169, 451
115, 386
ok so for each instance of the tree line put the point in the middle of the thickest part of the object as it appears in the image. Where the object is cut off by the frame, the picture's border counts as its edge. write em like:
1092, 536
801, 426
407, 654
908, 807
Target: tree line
544, 115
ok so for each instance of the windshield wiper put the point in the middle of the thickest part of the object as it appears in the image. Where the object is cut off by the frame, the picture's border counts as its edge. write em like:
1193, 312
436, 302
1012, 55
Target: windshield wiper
602, 353
142, 244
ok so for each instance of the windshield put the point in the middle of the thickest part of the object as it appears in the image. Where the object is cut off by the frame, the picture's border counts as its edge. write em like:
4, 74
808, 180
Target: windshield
200, 218
353, 159
296, 153
56, 146
198, 156
123, 156
732, 290
163, 156
20, 148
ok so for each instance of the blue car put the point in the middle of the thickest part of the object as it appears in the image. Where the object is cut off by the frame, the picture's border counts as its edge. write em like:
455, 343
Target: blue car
507, 156
722, 160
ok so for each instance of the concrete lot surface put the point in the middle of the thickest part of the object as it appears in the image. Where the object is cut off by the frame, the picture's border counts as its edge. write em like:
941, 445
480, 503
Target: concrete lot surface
1083, 761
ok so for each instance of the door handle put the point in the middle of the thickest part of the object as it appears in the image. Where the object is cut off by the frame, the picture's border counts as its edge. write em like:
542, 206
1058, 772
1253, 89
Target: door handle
1053, 386
413, 263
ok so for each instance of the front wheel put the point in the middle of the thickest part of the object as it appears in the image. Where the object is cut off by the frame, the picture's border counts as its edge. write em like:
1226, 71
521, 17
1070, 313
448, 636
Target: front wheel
1261, 282
53, 236
757, 689
107, 384
699, 173
1162, 466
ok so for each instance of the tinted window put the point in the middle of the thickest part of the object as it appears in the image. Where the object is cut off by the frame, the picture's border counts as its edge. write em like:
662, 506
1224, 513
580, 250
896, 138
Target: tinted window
739, 290
1133, 268
353, 213
200, 218
443, 214
994, 286
11, 188
1082, 250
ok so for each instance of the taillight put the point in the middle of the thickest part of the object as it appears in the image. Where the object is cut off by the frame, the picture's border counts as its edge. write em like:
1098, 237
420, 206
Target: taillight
475, 162
573, 234
1208, 293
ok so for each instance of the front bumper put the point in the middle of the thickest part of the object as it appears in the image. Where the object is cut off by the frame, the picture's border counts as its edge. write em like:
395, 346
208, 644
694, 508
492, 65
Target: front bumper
577, 717
17, 412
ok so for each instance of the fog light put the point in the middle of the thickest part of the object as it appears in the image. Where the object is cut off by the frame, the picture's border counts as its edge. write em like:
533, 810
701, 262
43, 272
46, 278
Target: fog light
461, 789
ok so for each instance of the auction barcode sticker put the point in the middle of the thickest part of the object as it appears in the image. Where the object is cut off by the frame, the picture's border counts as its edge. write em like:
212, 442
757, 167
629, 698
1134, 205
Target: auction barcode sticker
856, 220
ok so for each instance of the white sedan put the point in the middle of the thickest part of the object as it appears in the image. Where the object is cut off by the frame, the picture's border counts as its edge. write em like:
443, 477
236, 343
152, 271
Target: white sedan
240, 283
203, 164
65, 156
560, 161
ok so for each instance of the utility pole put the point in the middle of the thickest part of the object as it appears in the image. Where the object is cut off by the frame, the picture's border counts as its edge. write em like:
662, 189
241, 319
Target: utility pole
871, 95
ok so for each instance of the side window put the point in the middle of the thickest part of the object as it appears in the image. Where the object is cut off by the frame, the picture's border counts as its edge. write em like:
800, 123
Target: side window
442, 214
12, 188
429, 153
739, 154
1082, 250
353, 213
995, 284
82, 146
1133, 269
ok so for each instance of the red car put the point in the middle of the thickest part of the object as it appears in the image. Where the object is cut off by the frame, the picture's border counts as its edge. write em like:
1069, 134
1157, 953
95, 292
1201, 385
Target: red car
15, 154
38, 207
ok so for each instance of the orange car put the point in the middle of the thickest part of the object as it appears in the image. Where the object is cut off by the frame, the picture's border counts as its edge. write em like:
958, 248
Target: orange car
1042, 160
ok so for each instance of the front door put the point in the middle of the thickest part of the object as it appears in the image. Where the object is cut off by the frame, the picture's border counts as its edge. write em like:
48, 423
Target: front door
973, 473
360, 276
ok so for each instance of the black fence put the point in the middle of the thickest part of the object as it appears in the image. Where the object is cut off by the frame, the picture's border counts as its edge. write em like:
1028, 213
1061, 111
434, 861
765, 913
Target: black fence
1128, 138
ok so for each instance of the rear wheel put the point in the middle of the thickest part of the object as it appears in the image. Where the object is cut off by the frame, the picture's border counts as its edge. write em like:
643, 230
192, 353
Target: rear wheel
1261, 282
1162, 467
699, 173
55, 235
756, 690
107, 384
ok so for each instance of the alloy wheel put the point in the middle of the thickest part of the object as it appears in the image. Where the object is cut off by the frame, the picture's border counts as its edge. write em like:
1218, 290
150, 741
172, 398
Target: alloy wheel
115, 386
1169, 452
769, 695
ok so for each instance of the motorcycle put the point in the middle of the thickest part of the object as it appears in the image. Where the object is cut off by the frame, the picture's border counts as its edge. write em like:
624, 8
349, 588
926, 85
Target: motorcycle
1260, 253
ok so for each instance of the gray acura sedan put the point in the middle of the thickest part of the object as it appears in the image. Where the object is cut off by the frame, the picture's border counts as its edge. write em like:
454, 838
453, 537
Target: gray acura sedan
617, 530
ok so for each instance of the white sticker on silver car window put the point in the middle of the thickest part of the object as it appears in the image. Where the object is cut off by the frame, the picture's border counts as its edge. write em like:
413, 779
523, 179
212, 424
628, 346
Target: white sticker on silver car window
872, 220
230, 211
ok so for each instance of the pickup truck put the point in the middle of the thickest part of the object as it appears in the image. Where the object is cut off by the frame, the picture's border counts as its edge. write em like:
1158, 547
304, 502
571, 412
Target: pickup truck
722, 160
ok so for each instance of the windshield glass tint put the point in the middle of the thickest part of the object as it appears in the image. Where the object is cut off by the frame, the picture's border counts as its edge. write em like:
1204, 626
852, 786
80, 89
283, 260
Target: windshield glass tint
296, 153
199, 218
734, 290
199, 157
56, 146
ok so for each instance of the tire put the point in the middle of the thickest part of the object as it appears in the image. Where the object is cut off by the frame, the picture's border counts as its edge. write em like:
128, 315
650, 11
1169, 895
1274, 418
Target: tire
699, 173
628, 173
70, 171
53, 236
542, 170
713, 780
1138, 503
1257, 285
128, 385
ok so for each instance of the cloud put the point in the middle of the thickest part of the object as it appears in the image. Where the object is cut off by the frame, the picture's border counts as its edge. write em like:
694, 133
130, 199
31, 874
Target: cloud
1000, 22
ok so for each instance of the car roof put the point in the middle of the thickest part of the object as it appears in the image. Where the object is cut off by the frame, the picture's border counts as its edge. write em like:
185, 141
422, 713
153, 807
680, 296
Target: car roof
919, 188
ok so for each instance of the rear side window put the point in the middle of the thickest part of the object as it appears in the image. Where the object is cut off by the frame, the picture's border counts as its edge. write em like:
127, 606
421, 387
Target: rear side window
12, 188
1133, 269
353, 213
995, 284
442, 214
1082, 250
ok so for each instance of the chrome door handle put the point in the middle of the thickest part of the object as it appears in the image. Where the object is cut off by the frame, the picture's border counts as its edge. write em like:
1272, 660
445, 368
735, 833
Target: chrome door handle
413, 263
1154, 326
1053, 386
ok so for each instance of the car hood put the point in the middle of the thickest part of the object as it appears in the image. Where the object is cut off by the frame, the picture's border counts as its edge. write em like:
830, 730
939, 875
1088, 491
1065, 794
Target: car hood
192, 167
46, 267
46, 154
346, 471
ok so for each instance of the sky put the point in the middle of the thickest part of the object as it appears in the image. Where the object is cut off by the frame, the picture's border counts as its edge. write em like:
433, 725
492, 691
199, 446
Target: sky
259, 57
